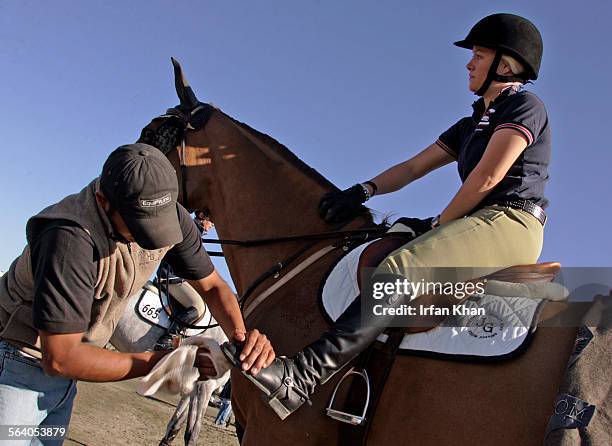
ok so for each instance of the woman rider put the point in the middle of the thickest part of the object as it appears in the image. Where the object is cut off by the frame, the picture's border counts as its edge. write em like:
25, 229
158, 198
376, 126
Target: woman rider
495, 220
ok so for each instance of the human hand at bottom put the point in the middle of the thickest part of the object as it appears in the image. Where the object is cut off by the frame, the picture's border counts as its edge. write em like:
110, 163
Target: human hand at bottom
257, 351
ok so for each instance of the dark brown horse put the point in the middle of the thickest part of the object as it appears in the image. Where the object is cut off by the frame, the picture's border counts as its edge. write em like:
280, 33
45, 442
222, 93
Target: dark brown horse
255, 188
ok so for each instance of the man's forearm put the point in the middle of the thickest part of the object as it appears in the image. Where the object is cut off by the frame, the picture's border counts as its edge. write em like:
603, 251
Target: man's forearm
257, 351
223, 306
89, 363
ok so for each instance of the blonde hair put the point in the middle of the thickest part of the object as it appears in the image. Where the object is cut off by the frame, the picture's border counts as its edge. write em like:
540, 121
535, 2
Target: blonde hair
515, 66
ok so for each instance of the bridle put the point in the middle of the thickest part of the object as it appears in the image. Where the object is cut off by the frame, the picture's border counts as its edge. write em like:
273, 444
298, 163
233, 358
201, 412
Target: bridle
192, 120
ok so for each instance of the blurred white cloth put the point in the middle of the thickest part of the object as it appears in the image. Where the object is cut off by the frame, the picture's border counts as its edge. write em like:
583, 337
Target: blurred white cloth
176, 373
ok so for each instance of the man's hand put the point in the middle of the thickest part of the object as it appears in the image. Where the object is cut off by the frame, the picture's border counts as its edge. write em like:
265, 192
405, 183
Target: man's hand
257, 352
204, 363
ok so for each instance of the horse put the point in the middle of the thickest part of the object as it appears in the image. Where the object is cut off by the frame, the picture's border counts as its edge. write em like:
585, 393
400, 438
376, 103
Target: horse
143, 321
256, 189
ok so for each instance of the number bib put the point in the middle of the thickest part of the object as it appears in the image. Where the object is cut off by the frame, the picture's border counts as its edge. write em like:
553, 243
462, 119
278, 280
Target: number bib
149, 309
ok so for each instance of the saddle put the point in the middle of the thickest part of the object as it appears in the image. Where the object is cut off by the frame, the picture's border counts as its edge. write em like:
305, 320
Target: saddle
374, 254
376, 362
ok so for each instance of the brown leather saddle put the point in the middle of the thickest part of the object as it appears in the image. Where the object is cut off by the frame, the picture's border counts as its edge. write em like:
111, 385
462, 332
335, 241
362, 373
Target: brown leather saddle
378, 359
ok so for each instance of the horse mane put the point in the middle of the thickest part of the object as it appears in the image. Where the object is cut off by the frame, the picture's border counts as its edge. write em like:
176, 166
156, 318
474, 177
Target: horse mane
292, 158
285, 153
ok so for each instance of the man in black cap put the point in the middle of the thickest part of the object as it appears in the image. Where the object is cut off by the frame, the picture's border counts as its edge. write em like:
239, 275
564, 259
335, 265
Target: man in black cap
86, 255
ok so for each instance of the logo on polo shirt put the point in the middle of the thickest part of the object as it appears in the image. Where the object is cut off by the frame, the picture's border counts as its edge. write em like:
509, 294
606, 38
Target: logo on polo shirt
154, 202
484, 121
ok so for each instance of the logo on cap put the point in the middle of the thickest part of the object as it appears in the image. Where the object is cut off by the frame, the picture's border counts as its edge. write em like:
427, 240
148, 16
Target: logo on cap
156, 201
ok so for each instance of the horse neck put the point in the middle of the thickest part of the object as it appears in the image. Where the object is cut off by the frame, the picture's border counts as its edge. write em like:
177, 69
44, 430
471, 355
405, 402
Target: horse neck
254, 188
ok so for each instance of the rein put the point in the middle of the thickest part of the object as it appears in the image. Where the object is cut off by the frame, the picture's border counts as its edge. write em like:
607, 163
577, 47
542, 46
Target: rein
354, 237
364, 233
349, 237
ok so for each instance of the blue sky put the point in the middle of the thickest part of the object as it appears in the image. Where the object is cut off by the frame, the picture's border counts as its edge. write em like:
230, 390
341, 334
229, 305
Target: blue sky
352, 87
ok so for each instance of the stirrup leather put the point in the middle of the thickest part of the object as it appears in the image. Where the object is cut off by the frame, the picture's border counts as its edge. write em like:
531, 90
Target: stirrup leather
346, 417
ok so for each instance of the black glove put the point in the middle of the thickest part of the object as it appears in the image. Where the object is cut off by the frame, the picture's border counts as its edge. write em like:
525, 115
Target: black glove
418, 226
338, 206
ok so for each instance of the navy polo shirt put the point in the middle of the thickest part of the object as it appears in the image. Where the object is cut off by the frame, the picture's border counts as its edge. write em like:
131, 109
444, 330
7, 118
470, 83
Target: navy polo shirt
517, 109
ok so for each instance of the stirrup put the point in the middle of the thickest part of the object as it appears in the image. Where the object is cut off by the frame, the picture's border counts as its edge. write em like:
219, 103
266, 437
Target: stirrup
346, 417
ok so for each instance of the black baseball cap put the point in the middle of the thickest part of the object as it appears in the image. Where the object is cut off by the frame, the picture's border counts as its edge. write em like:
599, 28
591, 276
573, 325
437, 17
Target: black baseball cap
141, 184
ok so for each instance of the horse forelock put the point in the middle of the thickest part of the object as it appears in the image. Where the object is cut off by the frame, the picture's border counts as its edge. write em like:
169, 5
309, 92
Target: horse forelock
164, 133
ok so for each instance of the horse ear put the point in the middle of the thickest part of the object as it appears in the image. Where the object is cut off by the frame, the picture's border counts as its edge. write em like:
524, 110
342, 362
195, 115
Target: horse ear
189, 101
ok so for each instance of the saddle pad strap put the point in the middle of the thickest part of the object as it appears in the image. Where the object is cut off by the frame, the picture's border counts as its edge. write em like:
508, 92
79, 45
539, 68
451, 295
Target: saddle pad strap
378, 360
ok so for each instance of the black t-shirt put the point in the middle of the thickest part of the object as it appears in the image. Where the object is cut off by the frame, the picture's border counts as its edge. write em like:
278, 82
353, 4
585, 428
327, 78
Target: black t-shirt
519, 110
65, 269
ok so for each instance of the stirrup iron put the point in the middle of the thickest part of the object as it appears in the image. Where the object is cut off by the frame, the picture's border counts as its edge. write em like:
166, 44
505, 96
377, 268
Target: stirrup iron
346, 417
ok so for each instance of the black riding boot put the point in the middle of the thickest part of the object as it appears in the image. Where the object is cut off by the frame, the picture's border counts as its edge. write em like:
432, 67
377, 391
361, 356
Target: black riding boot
289, 382
188, 316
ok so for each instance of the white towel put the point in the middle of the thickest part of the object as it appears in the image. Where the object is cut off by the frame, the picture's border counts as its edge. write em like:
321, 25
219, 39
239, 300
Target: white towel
176, 373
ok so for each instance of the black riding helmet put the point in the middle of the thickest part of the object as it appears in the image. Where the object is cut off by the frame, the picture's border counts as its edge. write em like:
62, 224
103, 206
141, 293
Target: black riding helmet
507, 34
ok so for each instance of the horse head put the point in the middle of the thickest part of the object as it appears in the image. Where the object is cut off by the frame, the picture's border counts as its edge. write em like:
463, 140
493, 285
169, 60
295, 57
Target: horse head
251, 185
168, 131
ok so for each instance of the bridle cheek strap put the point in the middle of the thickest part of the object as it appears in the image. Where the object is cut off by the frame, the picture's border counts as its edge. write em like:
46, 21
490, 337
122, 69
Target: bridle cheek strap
193, 120
183, 161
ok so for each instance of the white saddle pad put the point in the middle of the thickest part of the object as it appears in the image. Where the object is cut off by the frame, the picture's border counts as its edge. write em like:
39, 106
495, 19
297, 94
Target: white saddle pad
341, 286
505, 327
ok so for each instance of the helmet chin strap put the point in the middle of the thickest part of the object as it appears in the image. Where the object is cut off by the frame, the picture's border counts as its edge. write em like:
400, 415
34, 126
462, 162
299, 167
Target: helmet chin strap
493, 76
